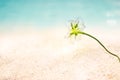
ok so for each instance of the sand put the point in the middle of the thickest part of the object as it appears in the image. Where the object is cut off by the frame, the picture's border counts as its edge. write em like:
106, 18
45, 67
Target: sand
50, 55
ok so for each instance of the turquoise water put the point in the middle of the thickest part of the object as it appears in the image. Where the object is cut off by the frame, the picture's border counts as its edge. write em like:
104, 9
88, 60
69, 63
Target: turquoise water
50, 13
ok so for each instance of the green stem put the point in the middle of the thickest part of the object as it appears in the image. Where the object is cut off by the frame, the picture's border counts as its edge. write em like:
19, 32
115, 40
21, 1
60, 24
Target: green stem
100, 44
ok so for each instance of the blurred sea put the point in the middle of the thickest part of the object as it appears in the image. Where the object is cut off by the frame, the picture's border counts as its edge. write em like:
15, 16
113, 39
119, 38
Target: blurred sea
50, 13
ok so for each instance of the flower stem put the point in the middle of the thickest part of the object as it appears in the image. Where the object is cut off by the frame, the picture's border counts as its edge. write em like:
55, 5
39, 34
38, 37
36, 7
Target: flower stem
100, 44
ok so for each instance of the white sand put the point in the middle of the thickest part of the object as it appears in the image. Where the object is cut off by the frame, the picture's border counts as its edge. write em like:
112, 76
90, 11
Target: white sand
51, 55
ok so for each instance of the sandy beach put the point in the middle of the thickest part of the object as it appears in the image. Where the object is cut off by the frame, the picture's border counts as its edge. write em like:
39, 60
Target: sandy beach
50, 55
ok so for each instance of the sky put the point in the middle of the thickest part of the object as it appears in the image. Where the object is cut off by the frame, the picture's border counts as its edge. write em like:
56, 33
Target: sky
56, 13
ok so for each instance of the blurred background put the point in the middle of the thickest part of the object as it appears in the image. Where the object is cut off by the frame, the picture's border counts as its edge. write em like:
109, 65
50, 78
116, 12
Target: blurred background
56, 13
